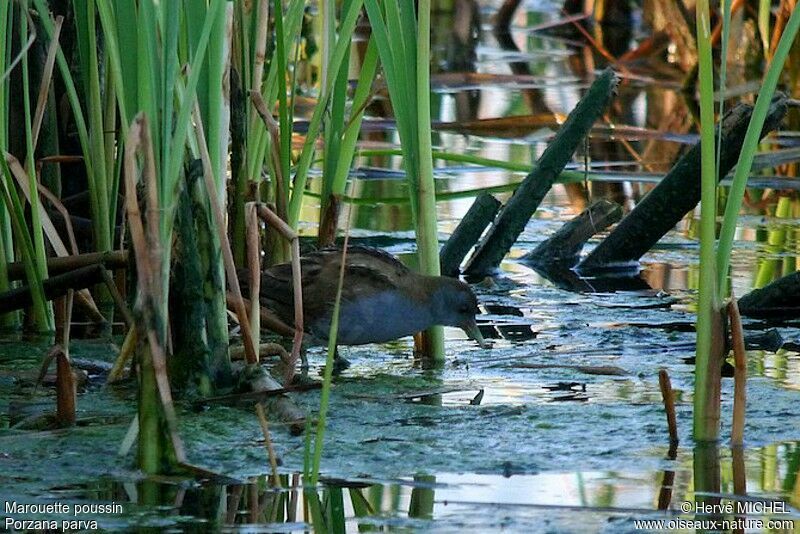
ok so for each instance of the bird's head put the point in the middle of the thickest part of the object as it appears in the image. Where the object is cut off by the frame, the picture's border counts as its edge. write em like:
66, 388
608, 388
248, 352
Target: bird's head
456, 305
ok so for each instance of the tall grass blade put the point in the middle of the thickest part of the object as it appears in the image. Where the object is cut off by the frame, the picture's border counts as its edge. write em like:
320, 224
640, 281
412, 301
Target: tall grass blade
743, 166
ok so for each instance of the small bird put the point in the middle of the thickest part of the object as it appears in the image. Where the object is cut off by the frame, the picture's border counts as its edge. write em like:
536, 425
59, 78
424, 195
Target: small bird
382, 299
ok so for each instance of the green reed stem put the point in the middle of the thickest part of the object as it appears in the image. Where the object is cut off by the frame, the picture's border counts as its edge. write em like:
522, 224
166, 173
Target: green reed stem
324, 400
705, 427
427, 231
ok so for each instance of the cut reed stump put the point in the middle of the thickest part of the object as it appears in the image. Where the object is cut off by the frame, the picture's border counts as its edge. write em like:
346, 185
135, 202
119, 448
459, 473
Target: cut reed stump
739, 376
668, 396
469, 230
512, 219
565, 245
779, 300
677, 194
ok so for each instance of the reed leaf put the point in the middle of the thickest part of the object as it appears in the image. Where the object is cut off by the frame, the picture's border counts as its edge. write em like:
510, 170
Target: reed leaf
745, 162
304, 162
6, 238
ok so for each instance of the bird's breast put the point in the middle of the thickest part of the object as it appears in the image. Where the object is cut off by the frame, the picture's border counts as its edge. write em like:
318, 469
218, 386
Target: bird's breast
376, 318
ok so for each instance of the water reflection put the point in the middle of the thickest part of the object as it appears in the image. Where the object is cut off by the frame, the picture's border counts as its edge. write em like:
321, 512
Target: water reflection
704, 477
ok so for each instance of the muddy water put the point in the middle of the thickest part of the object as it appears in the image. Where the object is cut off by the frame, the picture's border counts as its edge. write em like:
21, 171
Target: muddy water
558, 427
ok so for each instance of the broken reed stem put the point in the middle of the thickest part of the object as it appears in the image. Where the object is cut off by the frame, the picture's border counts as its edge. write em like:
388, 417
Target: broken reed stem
61, 264
117, 297
21, 176
253, 247
269, 320
124, 357
669, 404
222, 234
739, 374
148, 253
62, 326
270, 218
273, 462
274, 133
60, 208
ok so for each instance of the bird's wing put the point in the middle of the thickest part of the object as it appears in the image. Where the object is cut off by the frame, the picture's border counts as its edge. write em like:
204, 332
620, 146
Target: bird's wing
368, 270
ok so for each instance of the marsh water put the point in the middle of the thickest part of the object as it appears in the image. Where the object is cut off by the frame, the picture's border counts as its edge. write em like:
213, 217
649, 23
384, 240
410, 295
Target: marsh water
559, 427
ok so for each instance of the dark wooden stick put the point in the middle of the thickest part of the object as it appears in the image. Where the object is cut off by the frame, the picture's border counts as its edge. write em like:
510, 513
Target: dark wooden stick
117, 259
512, 219
778, 300
469, 230
677, 194
55, 286
567, 242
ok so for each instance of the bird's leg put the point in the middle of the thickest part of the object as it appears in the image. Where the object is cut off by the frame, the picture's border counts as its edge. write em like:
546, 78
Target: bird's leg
339, 362
304, 359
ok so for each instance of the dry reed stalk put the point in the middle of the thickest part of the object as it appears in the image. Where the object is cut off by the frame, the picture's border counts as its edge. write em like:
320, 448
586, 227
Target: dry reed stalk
273, 129
261, 44
47, 76
73, 244
739, 471
62, 307
269, 320
254, 269
265, 350
739, 374
21, 176
122, 306
781, 17
291, 503
269, 217
124, 357
273, 461
665, 493
148, 252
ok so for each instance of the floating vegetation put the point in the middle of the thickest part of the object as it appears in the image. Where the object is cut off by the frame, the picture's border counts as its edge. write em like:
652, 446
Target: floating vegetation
566, 201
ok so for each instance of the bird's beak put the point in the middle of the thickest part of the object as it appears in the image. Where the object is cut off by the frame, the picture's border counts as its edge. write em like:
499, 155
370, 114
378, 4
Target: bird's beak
471, 329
